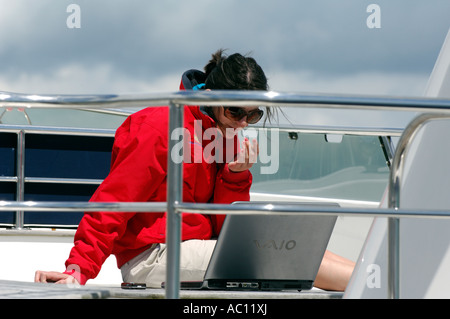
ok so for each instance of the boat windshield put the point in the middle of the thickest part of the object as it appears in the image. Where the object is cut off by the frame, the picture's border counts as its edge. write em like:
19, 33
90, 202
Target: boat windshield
349, 167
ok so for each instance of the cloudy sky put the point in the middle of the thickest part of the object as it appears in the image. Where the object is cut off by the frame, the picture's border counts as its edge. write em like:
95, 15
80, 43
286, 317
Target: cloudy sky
143, 46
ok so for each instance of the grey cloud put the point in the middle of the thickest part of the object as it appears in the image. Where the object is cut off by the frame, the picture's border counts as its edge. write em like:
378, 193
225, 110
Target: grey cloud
145, 39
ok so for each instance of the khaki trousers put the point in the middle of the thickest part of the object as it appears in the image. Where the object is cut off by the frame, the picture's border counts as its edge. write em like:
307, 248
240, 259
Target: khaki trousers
150, 266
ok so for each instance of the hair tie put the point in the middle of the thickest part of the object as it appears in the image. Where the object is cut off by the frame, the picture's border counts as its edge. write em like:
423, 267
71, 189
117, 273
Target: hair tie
198, 86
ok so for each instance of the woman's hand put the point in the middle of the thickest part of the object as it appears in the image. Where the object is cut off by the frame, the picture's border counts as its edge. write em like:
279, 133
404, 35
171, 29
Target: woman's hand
246, 157
54, 277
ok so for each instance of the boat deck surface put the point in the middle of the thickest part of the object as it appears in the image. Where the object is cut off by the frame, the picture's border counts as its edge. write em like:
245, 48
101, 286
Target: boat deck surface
30, 290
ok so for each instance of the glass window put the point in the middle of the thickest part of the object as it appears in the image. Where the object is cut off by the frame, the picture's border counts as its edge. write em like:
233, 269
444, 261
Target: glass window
350, 167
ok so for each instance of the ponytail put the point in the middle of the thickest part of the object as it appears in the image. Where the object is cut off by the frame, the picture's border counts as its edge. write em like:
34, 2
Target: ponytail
216, 59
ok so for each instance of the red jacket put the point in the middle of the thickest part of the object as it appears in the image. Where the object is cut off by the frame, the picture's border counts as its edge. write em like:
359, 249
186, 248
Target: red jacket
138, 173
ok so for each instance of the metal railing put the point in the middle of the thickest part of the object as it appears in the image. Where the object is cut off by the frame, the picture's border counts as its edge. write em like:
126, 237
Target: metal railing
174, 205
20, 179
394, 198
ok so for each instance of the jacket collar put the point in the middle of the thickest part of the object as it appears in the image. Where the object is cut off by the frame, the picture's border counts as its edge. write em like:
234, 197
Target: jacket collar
189, 79
198, 114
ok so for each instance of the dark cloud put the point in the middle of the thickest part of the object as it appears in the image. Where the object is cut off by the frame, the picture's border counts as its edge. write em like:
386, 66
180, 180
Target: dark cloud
146, 39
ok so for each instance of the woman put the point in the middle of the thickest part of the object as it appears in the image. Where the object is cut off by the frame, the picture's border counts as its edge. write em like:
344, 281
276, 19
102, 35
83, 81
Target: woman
138, 172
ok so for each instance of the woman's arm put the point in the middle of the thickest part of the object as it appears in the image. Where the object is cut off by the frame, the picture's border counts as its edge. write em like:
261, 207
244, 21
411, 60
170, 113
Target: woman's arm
234, 180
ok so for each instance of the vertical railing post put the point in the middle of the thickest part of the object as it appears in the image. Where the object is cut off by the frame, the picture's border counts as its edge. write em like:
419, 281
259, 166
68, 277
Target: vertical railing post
393, 258
174, 197
20, 186
393, 291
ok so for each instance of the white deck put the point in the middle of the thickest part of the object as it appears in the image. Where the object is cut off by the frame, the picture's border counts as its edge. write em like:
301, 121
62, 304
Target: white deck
27, 290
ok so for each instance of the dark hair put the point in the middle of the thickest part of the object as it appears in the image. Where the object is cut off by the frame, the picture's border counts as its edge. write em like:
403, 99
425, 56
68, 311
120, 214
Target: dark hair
235, 72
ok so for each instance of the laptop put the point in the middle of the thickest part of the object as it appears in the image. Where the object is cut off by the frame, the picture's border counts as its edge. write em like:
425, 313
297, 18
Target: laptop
268, 252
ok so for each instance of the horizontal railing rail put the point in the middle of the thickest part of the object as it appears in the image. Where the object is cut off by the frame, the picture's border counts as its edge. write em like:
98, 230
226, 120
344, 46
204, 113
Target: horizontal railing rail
56, 130
325, 129
217, 98
174, 205
271, 207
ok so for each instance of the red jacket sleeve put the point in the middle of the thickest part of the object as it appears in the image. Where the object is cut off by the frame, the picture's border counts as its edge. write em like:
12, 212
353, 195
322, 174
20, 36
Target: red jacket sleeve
230, 187
138, 167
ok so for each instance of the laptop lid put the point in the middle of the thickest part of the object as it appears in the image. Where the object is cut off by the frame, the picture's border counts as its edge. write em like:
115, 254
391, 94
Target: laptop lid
269, 251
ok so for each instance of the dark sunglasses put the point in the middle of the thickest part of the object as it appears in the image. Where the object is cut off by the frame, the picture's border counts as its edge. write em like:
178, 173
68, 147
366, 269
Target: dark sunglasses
238, 113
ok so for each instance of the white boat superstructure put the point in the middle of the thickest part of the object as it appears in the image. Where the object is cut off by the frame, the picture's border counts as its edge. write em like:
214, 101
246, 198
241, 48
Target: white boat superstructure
423, 256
